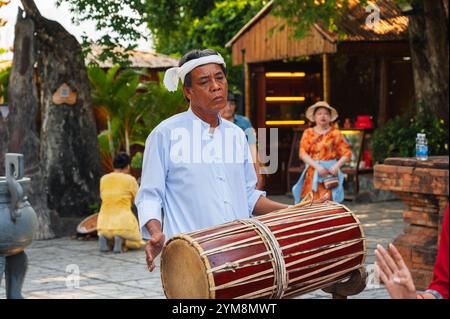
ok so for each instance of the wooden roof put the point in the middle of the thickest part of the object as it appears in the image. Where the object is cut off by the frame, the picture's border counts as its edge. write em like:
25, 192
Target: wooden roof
392, 26
138, 59
263, 42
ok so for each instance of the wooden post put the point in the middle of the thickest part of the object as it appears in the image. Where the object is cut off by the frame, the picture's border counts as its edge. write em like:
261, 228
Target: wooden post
260, 97
247, 90
242, 106
383, 94
326, 77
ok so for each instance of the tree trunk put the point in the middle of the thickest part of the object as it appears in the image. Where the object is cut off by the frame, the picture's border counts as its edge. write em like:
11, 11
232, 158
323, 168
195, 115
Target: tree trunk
127, 140
3, 144
428, 33
23, 135
110, 138
69, 148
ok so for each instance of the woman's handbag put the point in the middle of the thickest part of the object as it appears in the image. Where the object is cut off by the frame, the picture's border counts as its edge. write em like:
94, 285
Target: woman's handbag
330, 182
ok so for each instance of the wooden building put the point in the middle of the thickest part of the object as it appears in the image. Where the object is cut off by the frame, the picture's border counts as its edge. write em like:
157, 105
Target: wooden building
152, 62
364, 71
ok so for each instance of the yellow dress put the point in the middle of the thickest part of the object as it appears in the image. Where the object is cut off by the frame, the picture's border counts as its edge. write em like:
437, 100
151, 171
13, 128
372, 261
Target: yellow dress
117, 191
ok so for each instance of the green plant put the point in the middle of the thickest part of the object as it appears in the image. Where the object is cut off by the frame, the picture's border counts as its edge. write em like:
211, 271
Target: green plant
160, 104
115, 91
397, 138
176, 26
4, 80
133, 108
94, 208
136, 161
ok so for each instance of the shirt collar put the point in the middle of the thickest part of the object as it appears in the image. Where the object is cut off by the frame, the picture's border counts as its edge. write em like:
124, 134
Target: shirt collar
204, 124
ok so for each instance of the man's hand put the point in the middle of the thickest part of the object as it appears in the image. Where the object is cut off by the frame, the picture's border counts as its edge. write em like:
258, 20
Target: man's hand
153, 249
394, 273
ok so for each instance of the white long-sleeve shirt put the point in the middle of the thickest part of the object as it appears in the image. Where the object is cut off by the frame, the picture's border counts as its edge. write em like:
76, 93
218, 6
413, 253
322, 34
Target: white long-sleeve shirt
199, 178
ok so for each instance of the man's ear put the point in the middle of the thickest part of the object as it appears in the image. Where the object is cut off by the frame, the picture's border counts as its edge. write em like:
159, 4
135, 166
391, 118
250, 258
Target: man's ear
187, 92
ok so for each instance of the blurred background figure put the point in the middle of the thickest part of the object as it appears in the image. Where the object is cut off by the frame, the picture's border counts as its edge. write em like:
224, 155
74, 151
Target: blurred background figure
396, 276
324, 150
117, 226
228, 113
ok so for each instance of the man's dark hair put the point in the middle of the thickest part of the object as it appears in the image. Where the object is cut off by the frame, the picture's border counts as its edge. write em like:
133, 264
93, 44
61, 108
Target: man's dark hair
121, 160
231, 97
195, 54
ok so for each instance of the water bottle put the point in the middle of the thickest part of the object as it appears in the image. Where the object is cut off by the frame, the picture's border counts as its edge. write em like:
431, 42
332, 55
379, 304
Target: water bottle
421, 147
424, 148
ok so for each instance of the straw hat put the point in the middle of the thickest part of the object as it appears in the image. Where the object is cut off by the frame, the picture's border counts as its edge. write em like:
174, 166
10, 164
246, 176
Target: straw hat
310, 111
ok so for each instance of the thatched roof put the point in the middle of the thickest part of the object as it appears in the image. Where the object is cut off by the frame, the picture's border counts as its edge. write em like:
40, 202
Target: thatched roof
138, 59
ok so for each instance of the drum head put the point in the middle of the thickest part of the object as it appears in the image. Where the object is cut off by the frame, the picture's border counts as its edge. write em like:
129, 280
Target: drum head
183, 271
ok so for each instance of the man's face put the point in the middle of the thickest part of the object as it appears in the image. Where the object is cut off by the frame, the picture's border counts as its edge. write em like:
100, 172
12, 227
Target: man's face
208, 93
228, 111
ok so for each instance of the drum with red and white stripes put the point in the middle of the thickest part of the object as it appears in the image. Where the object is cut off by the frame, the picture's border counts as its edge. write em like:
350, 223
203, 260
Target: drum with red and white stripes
278, 255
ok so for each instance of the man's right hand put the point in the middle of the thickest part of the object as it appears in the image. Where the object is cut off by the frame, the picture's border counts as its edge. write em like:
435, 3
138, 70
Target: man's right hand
153, 249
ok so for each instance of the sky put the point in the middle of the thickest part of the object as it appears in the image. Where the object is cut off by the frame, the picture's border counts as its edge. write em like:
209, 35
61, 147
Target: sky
61, 14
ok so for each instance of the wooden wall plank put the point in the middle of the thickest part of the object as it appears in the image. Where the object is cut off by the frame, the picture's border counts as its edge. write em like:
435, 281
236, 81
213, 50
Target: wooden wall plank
261, 46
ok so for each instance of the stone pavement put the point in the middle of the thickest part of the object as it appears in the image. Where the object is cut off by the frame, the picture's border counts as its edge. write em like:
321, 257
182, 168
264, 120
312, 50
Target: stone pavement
70, 268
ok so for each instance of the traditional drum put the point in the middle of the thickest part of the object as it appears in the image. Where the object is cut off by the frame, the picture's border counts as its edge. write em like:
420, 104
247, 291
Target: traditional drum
278, 255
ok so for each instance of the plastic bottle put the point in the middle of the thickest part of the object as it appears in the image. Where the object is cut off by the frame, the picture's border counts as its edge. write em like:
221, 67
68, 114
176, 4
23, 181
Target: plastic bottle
421, 147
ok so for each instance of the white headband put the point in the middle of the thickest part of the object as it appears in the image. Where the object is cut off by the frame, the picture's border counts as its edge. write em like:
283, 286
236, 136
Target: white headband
174, 74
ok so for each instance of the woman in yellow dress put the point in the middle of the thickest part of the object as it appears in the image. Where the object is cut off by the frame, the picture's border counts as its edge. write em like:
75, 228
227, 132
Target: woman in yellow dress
116, 222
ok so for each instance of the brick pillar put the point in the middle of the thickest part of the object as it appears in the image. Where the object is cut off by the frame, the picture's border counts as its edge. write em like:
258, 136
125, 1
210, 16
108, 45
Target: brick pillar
423, 187
418, 244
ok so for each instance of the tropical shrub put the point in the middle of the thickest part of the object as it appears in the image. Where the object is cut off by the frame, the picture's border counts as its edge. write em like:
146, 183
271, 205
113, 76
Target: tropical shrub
397, 137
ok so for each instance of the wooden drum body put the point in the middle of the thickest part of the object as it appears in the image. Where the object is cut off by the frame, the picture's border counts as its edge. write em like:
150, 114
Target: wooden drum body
278, 255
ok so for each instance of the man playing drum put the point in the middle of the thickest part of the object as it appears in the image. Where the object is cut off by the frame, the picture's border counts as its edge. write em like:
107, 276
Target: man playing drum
197, 166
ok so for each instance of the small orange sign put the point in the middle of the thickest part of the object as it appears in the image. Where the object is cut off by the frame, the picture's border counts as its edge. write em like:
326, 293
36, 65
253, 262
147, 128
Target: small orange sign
64, 95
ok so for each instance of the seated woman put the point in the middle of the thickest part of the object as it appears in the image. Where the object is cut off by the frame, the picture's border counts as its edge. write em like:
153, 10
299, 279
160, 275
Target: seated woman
116, 222
324, 150
394, 273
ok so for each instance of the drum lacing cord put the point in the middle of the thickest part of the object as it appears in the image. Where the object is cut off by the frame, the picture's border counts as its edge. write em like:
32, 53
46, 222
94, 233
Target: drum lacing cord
280, 273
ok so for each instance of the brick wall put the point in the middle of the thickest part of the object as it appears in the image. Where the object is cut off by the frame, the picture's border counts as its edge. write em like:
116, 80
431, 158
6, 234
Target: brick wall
425, 193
